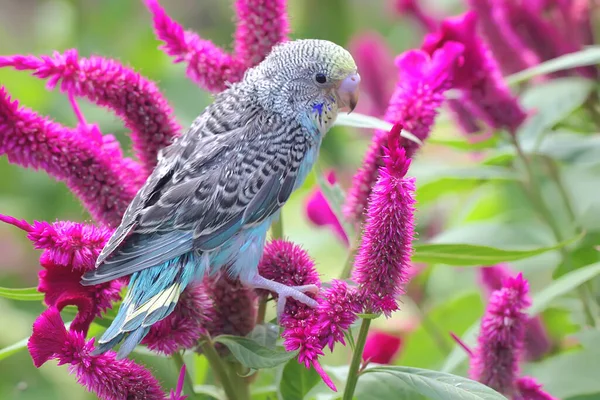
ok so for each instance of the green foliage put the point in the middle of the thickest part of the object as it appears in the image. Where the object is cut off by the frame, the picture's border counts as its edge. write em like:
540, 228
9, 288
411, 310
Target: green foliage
252, 355
24, 294
296, 381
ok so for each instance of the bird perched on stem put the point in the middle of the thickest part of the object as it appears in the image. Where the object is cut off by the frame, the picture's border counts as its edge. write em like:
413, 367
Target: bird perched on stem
208, 204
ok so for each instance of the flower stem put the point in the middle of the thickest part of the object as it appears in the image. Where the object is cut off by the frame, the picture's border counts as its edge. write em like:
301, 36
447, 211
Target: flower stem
218, 366
356, 358
349, 263
262, 309
534, 193
277, 227
189, 382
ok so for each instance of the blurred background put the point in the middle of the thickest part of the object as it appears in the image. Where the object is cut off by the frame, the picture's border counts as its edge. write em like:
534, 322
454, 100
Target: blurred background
122, 29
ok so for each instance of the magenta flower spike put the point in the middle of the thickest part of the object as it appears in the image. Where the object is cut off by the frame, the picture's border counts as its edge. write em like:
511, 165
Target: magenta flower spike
381, 347
260, 25
107, 83
495, 362
384, 255
182, 328
511, 52
536, 342
91, 165
412, 8
376, 65
69, 250
479, 75
306, 329
529, 389
422, 82
104, 375
320, 213
177, 393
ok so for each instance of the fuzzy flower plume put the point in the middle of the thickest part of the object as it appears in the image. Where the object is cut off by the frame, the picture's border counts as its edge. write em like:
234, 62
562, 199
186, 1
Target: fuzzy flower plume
184, 326
90, 164
320, 213
419, 93
233, 307
384, 254
260, 25
307, 329
529, 389
479, 76
104, 375
511, 52
107, 83
537, 343
381, 347
376, 65
69, 250
176, 394
495, 362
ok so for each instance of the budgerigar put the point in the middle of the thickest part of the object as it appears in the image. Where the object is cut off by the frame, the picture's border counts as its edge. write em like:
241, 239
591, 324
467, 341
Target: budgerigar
208, 204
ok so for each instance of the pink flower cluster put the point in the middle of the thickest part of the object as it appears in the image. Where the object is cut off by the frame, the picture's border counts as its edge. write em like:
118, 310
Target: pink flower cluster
496, 360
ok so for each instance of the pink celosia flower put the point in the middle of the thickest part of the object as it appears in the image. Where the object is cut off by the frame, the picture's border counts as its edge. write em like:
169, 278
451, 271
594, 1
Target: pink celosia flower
104, 375
70, 249
307, 329
233, 307
260, 26
176, 394
320, 213
510, 51
376, 65
529, 389
479, 76
107, 83
422, 82
495, 362
184, 326
381, 347
536, 342
413, 9
90, 164
384, 254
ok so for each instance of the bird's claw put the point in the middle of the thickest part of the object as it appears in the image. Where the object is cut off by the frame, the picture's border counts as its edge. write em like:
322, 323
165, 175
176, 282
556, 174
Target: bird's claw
296, 293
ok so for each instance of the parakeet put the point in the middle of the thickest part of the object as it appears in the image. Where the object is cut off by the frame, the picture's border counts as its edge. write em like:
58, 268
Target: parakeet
208, 204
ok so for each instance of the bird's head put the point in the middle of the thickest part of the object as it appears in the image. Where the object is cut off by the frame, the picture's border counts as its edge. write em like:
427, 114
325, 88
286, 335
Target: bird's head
307, 79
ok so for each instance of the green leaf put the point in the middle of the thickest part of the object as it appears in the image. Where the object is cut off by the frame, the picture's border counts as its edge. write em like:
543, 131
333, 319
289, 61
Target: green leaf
296, 381
540, 301
552, 102
463, 144
212, 391
434, 385
357, 120
13, 348
335, 198
252, 354
23, 294
265, 334
587, 56
434, 181
474, 255
569, 374
569, 148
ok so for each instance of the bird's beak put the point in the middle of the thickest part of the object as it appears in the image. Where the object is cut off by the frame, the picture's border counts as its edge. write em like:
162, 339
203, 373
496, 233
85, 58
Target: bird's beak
347, 91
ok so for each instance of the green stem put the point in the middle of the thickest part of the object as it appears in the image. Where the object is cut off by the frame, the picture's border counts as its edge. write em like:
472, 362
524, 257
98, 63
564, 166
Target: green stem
219, 368
536, 198
262, 310
188, 382
240, 383
349, 263
277, 228
356, 359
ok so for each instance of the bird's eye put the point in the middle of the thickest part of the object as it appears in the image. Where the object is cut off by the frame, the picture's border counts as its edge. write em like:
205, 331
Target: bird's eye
320, 78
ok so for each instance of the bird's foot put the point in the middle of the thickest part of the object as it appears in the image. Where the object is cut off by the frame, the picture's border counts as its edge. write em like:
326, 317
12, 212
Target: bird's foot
284, 291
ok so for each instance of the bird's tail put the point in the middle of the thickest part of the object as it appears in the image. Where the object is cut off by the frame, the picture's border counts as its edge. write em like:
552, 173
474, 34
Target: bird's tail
152, 296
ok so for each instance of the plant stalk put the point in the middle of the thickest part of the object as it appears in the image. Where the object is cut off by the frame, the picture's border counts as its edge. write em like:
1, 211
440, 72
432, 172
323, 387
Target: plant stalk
349, 263
188, 381
534, 192
277, 228
356, 359
215, 361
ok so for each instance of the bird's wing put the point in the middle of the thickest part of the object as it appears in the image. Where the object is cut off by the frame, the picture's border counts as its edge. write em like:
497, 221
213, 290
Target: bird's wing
204, 190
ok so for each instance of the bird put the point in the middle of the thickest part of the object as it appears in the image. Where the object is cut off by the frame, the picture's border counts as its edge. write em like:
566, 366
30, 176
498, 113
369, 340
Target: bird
208, 204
